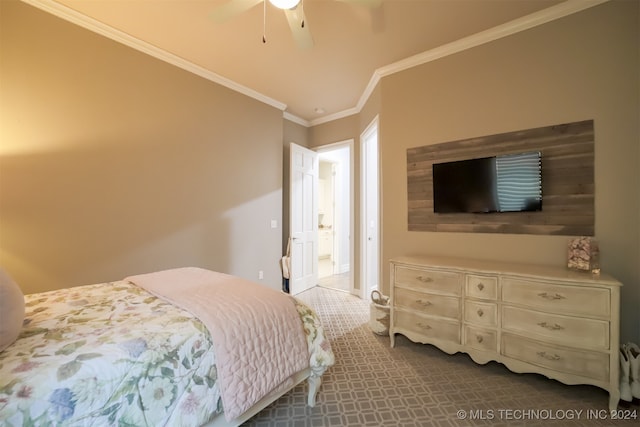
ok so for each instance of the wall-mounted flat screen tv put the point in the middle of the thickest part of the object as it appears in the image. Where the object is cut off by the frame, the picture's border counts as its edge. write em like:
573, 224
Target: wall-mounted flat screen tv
505, 183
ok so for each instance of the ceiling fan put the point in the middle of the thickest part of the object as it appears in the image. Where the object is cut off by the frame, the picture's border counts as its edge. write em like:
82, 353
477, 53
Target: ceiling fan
293, 10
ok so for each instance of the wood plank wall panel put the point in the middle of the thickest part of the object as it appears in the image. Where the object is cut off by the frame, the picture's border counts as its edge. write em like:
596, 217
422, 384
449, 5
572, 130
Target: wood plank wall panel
568, 182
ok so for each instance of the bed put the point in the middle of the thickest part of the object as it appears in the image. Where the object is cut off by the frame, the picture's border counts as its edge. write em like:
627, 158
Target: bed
154, 350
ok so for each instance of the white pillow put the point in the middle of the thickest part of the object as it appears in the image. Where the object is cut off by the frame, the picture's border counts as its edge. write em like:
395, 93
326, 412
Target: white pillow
11, 310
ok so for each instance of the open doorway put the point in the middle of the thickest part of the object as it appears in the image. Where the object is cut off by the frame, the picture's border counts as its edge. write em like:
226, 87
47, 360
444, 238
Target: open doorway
335, 216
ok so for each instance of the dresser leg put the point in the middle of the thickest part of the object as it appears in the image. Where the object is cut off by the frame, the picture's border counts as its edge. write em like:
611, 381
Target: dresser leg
393, 339
614, 398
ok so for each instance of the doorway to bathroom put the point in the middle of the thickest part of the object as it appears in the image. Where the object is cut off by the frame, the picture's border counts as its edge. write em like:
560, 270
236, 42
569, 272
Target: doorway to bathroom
335, 216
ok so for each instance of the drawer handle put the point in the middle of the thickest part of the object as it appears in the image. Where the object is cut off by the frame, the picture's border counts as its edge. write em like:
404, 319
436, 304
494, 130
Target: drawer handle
554, 327
551, 297
423, 325
480, 286
479, 338
548, 356
423, 303
425, 279
480, 312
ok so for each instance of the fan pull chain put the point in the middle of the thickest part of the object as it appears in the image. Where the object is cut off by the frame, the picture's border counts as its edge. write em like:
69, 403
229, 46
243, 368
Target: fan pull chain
264, 21
302, 10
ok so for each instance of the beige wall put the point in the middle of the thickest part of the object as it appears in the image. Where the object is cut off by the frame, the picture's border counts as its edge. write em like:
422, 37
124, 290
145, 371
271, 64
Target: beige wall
584, 66
114, 163
294, 132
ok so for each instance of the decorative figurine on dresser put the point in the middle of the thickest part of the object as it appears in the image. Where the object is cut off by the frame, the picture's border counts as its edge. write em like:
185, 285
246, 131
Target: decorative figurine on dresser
553, 321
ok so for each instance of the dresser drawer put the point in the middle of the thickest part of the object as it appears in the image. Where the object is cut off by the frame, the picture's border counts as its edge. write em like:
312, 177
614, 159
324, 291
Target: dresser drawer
429, 280
430, 328
579, 300
481, 339
588, 364
435, 305
485, 287
479, 313
573, 331
539, 319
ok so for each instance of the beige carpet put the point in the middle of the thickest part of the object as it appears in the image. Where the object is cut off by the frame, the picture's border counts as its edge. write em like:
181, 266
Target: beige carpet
419, 385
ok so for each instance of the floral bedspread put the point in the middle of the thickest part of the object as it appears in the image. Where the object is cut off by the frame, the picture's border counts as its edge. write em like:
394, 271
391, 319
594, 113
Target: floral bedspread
113, 354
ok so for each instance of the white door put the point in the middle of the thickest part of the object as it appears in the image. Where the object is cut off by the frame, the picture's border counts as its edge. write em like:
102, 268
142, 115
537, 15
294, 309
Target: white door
370, 210
303, 220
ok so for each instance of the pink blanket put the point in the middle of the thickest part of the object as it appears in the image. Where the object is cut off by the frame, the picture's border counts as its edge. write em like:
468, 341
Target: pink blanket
256, 331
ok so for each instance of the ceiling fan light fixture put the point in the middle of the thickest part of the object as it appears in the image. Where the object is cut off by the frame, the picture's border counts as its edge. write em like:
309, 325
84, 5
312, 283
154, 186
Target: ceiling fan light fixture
284, 4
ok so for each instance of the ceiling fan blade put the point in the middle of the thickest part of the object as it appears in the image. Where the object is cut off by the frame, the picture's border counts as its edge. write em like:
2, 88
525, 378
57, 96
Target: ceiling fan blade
231, 9
299, 28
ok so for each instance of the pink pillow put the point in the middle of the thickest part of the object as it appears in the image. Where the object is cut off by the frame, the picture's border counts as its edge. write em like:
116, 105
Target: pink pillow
11, 310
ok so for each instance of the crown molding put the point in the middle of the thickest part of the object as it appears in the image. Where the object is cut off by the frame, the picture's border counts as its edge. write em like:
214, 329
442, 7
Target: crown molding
532, 20
68, 14
335, 116
296, 119
526, 22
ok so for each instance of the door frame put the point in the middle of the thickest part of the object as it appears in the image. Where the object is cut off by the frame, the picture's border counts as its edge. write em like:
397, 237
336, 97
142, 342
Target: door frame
372, 127
349, 143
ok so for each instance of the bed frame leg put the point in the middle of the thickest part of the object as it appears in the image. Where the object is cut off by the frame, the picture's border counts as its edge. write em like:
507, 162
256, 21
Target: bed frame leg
314, 385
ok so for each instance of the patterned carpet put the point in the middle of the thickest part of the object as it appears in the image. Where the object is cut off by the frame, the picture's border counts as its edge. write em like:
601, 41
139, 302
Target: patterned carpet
419, 385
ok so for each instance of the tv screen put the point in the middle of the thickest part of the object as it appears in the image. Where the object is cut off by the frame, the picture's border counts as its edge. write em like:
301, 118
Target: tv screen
507, 183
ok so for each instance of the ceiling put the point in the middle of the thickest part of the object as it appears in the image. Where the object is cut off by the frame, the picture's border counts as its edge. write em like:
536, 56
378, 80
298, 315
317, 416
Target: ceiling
352, 42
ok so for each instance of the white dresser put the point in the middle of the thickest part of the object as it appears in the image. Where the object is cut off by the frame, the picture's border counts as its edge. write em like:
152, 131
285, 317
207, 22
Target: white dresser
547, 320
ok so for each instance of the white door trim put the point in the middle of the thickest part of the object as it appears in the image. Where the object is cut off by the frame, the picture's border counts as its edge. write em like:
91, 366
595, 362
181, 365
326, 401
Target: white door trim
364, 232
